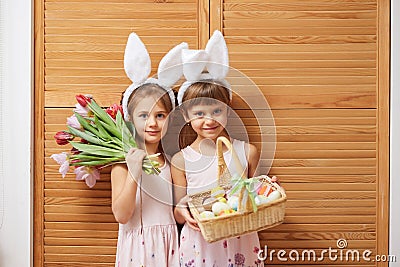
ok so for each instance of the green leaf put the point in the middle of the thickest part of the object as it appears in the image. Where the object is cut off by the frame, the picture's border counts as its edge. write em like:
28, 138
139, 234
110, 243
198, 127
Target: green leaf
100, 113
85, 135
102, 132
116, 141
92, 139
131, 128
112, 130
88, 157
85, 124
127, 137
91, 163
119, 120
98, 150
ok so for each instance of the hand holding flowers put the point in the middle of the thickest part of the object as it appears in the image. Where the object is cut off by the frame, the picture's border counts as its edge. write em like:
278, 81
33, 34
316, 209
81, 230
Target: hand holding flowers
105, 139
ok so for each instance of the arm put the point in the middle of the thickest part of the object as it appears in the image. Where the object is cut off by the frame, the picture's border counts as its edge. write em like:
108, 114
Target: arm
253, 160
124, 186
181, 212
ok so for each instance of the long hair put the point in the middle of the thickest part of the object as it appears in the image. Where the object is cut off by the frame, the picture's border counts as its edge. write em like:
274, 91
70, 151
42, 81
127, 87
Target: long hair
206, 92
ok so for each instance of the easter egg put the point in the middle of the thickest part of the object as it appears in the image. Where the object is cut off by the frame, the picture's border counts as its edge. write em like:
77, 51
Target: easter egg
226, 212
268, 191
257, 186
274, 195
262, 190
222, 199
207, 202
217, 192
207, 214
233, 202
261, 199
217, 207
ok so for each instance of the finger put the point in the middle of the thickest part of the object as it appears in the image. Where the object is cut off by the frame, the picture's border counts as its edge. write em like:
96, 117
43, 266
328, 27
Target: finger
131, 151
139, 154
189, 218
192, 221
194, 227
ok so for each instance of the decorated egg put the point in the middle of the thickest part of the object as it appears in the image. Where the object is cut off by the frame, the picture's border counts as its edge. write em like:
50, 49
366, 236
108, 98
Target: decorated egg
268, 191
207, 214
222, 199
217, 192
207, 202
262, 189
261, 199
257, 186
233, 202
217, 207
226, 212
274, 195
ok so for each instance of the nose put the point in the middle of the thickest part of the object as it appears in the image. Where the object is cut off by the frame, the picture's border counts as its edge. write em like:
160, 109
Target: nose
151, 121
209, 119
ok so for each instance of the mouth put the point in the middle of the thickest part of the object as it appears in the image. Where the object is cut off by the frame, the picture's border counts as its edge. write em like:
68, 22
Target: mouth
210, 128
152, 132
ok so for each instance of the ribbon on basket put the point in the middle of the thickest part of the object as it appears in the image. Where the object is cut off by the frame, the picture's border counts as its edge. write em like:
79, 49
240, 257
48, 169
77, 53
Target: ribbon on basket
249, 184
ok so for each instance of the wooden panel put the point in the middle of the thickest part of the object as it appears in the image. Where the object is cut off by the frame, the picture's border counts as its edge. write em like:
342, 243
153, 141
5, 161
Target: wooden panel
316, 63
79, 49
38, 183
322, 65
383, 115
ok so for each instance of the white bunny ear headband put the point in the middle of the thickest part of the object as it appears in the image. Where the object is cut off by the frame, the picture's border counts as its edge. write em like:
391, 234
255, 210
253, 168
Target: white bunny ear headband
137, 66
214, 58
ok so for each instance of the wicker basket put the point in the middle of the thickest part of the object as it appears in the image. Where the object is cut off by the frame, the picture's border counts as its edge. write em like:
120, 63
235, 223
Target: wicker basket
245, 220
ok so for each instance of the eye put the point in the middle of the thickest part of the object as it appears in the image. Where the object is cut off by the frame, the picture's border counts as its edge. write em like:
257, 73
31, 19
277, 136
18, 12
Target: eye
199, 114
217, 111
160, 116
143, 116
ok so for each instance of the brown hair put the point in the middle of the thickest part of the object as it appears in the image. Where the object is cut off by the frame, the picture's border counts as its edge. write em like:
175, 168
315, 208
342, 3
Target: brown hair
206, 92
149, 90
146, 90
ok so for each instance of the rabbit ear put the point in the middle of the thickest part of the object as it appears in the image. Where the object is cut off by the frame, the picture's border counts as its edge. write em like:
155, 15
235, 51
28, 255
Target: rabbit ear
217, 51
136, 60
170, 68
194, 62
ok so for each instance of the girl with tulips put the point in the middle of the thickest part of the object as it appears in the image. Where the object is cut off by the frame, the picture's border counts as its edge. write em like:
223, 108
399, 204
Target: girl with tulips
142, 203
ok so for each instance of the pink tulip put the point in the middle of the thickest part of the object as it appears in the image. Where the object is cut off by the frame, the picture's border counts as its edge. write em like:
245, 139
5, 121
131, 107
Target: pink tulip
63, 137
90, 175
83, 111
63, 160
73, 122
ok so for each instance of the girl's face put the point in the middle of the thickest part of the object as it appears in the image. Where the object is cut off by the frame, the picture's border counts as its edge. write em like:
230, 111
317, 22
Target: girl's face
208, 121
150, 118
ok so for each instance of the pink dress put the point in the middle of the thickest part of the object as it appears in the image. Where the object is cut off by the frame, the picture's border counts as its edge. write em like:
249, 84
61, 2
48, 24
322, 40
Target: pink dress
150, 237
201, 173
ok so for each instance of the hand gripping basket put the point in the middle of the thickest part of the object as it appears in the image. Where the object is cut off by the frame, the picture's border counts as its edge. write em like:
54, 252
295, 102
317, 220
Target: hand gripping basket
245, 220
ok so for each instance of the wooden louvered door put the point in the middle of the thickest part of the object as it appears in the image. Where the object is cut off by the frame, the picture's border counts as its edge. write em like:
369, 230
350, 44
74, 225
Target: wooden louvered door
321, 64
79, 48
323, 67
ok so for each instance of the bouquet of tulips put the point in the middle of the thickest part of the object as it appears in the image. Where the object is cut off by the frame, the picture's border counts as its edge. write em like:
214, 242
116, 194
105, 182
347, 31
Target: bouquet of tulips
105, 138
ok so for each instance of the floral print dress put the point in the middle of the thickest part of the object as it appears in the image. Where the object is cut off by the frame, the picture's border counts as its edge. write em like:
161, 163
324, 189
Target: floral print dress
194, 251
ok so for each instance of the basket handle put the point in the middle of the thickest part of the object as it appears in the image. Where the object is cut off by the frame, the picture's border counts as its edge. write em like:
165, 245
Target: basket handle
224, 175
223, 170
